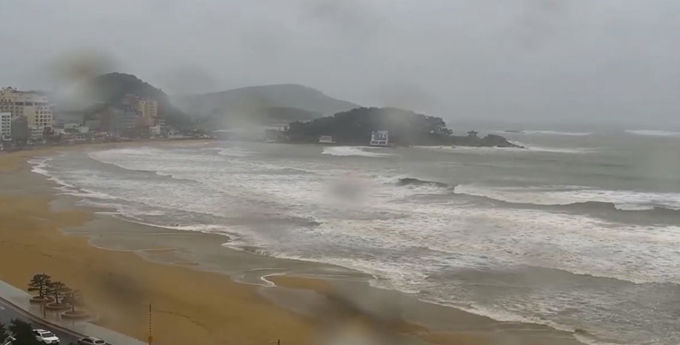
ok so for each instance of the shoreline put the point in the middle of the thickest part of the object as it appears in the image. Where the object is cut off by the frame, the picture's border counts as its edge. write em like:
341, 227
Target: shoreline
290, 286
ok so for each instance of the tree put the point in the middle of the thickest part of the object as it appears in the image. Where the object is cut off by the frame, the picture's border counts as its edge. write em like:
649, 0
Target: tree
74, 298
23, 333
39, 283
355, 126
57, 290
3, 333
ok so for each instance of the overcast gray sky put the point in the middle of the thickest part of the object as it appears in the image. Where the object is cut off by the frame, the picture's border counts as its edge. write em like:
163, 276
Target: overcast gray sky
527, 59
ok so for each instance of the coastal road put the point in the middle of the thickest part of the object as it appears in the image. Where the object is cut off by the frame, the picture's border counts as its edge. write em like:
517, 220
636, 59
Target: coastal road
7, 313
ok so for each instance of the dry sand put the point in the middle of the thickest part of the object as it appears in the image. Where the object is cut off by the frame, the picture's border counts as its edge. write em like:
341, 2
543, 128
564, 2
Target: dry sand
190, 306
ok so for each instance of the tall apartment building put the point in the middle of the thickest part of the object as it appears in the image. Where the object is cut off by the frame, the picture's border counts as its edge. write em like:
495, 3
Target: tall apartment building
33, 105
148, 108
5, 126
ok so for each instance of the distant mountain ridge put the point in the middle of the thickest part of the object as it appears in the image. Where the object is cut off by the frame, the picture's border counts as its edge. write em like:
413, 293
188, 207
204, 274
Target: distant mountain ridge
269, 103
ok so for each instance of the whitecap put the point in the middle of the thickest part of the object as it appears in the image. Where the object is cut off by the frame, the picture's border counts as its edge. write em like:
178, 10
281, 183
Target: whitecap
567, 195
548, 132
344, 151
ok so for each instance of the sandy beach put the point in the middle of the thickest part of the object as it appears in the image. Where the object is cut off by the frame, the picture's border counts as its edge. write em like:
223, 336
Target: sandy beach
122, 267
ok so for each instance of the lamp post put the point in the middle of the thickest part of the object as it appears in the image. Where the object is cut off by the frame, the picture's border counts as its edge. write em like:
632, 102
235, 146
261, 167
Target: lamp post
150, 334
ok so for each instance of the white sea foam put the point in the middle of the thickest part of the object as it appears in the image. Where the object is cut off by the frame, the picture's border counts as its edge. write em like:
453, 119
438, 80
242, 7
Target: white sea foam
391, 233
566, 195
88, 194
41, 166
528, 149
533, 148
344, 151
654, 133
388, 206
235, 152
577, 134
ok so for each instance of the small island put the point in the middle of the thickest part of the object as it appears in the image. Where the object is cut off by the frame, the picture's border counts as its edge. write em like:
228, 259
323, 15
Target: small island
405, 128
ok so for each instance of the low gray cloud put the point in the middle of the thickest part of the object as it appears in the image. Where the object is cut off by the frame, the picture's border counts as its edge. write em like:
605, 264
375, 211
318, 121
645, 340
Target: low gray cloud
608, 60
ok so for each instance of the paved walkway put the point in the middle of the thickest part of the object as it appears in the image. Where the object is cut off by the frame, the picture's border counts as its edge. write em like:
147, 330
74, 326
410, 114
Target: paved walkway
21, 300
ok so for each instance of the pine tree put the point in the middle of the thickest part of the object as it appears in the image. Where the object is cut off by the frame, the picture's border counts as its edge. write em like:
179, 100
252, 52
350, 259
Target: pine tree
57, 290
39, 283
74, 298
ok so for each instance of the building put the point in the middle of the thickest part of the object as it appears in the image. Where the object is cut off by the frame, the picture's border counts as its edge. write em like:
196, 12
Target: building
19, 129
155, 131
148, 108
30, 104
326, 139
5, 126
380, 138
73, 128
131, 100
93, 125
124, 120
36, 133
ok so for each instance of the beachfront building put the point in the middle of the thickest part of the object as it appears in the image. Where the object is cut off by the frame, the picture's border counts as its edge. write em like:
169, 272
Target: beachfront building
19, 129
124, 120
33, 105
380, 138
326, 139
156, 130
5, 126
148, 108
35, 133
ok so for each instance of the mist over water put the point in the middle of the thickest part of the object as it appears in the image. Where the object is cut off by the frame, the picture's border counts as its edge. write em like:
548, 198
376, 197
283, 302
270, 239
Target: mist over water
581, 234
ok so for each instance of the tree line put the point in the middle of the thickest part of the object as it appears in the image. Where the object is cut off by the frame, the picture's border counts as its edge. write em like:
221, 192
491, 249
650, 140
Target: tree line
56, 291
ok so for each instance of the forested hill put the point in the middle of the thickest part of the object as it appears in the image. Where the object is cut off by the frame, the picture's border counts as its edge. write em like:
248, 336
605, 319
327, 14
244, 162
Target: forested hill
406, 128
355, 127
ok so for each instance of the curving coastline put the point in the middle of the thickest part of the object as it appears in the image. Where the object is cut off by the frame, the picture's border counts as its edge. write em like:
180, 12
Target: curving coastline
197, 306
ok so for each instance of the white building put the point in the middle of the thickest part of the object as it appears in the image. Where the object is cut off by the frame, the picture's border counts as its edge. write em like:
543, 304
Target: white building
380, 138
36, 133
155, 130
326, 139
34, 105
5, 126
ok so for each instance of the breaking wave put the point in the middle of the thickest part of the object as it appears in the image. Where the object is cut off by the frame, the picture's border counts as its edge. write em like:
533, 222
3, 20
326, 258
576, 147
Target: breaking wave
409, 181
578, 134
575, 195
344, 151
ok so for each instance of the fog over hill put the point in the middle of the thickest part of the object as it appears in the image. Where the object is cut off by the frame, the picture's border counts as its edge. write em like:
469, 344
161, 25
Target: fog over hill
269, 104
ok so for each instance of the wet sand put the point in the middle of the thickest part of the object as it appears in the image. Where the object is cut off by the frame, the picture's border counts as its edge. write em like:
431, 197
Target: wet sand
201, 292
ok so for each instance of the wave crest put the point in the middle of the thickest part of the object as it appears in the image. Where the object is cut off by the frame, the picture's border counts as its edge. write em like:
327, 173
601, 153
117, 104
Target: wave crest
575, 195
409, 181
577, 134
344, 151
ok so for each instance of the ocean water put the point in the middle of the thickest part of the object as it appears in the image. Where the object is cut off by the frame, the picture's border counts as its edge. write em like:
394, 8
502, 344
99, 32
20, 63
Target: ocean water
581, 231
